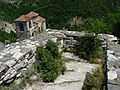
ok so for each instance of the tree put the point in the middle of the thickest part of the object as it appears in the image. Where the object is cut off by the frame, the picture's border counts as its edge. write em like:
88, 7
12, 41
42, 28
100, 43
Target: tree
87, 47
116, 29
97, 25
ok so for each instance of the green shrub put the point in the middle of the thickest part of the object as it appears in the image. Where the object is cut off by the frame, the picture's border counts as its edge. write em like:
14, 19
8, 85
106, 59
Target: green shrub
53, 48
47, 64
87, 47
7, 36
116, 29
94, 80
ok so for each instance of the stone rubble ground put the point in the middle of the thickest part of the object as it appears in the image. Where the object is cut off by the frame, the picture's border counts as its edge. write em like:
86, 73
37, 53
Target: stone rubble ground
113, 62
19, 55
16, 56
72, 80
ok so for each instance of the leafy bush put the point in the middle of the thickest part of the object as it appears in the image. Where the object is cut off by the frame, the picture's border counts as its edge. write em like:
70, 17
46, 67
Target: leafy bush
97, 25
7, 36
53, 48
94, 80
87, 47
48, 63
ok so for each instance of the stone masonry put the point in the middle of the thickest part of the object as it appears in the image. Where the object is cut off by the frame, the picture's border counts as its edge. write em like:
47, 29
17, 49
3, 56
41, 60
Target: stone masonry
16, 56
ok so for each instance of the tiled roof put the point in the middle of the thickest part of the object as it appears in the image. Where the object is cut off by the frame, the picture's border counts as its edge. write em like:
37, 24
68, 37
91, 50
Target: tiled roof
27, 16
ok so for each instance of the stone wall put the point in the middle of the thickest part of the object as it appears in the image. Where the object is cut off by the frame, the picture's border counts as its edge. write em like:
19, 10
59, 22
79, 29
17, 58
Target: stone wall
19, 55
113, 62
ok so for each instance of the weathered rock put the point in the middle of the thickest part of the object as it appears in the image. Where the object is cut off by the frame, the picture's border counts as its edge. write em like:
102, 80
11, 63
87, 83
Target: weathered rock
110, 65
18, 55
117, 64
112, 75
110, 52
3, 69
113, 87
10, 63
13, 74
27, 56
18, 75
9, 71
10, 80
26, 51
111, 57
6, 77
117, 52
14, 50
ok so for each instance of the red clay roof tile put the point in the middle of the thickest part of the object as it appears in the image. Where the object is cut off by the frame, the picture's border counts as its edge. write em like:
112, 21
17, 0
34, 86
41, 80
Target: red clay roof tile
27, 16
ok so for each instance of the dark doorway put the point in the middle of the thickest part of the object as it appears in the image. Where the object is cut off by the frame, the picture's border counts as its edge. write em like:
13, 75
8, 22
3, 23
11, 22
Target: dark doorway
30, 25
21, 26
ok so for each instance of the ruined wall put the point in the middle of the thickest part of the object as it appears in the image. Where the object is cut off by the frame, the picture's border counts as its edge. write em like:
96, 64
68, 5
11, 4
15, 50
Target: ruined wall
21, 54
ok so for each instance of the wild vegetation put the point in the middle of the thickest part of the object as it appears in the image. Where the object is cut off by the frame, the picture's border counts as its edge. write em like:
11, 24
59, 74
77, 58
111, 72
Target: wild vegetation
21, 83
94, 80
88, 48
49, 62
99, 15
11, 37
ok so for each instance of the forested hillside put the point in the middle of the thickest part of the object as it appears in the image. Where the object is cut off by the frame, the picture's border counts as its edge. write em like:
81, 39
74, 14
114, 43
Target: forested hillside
58, 12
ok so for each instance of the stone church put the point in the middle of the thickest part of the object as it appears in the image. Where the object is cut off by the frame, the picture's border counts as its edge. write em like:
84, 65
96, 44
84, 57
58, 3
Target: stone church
29, 25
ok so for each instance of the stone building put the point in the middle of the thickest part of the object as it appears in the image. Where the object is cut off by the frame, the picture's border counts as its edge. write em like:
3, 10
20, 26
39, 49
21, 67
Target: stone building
29, 25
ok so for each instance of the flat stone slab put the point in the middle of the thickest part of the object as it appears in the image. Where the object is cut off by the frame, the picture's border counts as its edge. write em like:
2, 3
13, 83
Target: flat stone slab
110, 52
111, 57
113, 87
112, 75
18, 55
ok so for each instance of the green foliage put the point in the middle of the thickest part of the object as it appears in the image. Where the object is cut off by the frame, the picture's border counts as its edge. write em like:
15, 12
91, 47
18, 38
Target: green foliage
87, 47
53, 48
116, 29
7, 36
48, 63
10, 87
24, 80
57, 13
94, 80
97, 25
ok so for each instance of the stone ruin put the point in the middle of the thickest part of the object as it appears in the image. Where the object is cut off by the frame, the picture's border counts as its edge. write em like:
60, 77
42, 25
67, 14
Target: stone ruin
19, 55
16, 56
